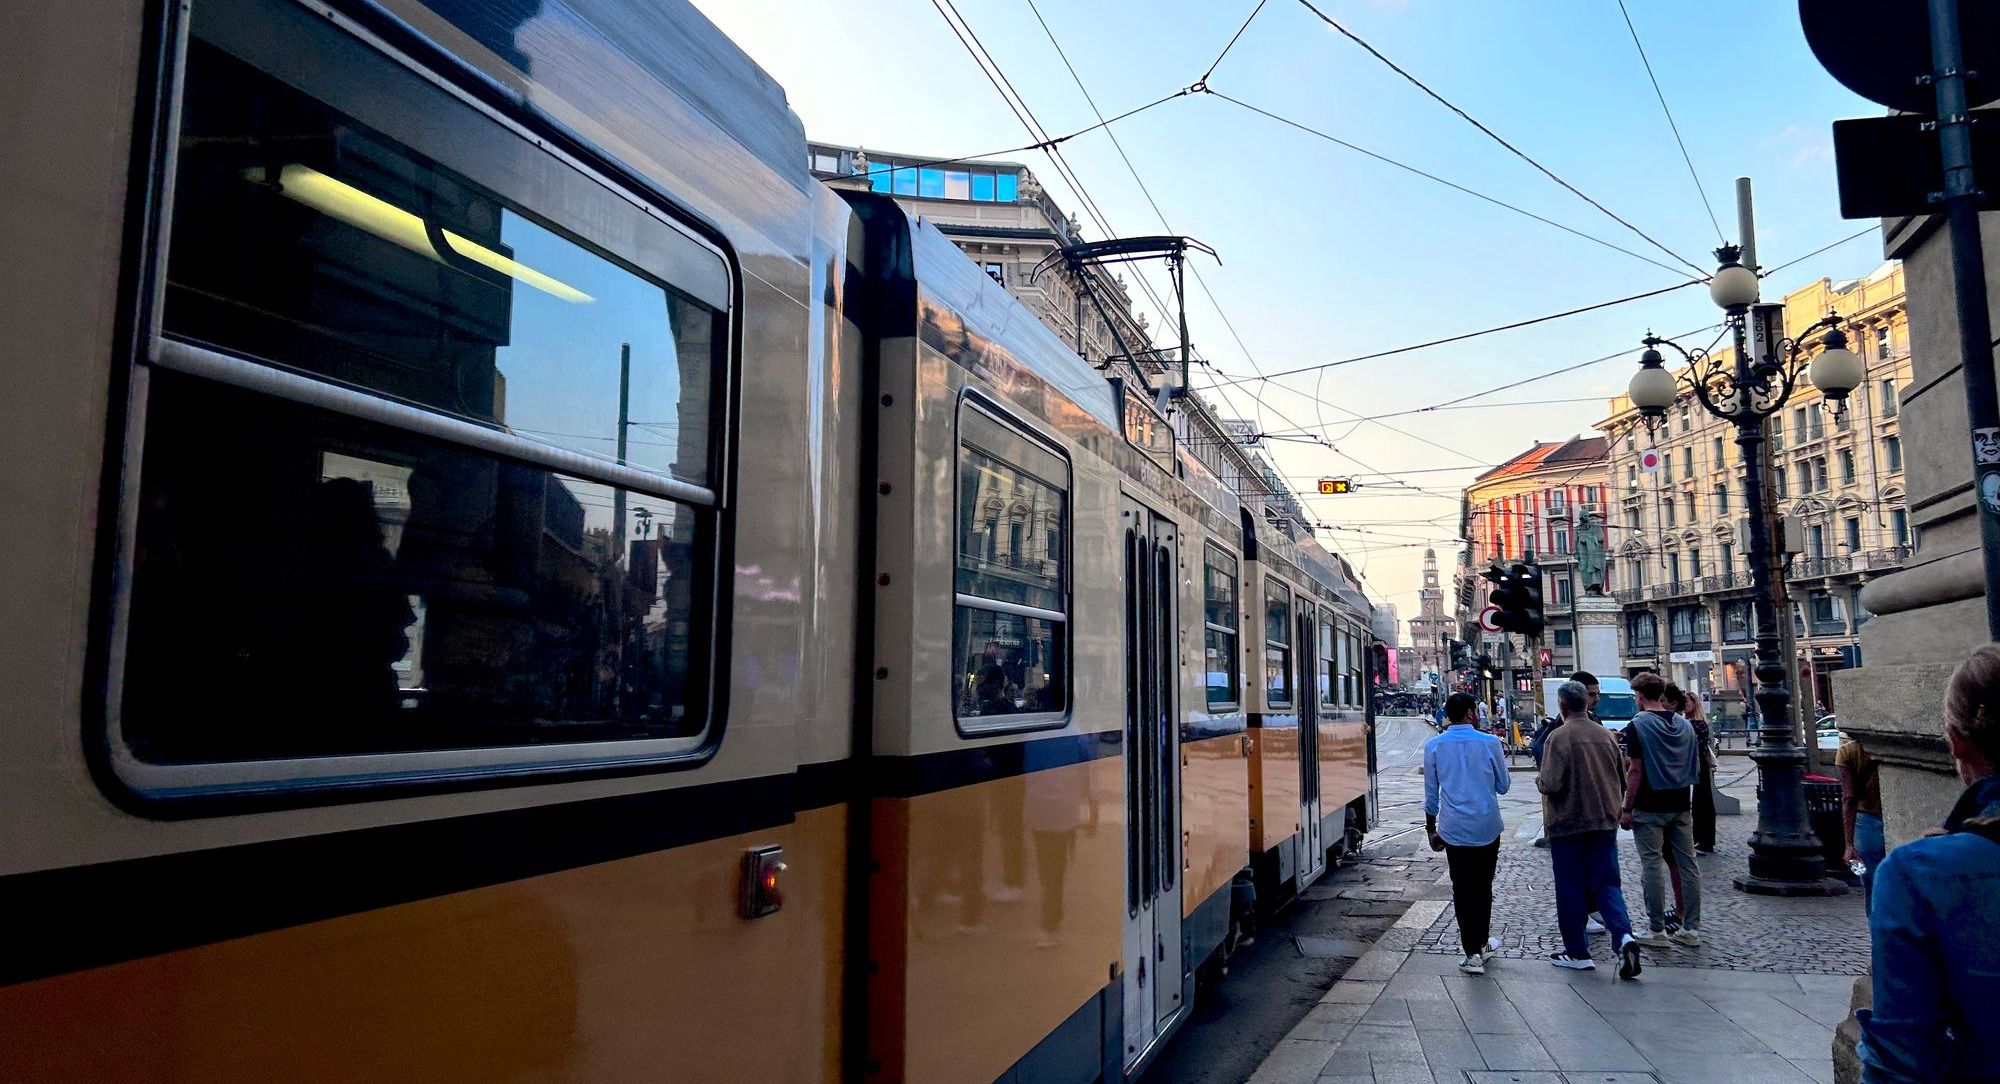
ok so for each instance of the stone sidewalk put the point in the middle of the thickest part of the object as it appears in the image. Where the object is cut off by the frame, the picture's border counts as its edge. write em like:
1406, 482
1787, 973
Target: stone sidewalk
1757, 1003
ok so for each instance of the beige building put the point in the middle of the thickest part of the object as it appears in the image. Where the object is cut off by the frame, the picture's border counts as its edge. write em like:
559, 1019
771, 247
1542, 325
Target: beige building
1528, 508
1676, 535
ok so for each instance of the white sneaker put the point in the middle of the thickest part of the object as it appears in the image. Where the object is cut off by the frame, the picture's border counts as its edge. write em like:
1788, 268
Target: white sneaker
1574, 963
1685, 936
1474, 964
1591, 925
1654, 939
1492, 947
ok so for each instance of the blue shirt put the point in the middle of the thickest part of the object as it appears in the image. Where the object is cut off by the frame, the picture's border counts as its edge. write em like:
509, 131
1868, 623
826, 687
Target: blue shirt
1465, 772
1935, 919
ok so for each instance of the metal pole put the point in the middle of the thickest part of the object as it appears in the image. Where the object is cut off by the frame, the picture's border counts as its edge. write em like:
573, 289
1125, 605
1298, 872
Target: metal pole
1746, 224
1785, 857
1180, 296
1968, 279
624, 422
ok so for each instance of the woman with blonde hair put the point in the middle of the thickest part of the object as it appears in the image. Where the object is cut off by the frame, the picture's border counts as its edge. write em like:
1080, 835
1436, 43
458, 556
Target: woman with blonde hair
1935, 918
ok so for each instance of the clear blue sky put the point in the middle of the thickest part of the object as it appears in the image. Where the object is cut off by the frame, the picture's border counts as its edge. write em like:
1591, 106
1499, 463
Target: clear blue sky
1328, 254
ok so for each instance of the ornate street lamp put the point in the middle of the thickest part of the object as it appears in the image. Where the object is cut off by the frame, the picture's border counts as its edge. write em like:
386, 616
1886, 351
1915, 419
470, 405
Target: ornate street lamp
1785, 856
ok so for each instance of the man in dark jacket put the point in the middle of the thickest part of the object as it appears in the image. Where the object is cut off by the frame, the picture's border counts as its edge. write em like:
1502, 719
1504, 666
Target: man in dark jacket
1582, 785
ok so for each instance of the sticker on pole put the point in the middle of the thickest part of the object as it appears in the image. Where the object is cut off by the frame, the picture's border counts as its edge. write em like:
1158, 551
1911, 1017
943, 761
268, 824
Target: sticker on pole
1649, 460
1985, 446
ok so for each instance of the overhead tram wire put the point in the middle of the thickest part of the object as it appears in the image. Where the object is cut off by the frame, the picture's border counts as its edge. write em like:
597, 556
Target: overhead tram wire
1823, 248
1232, 40
1476, 334
1495, 136
1676, 129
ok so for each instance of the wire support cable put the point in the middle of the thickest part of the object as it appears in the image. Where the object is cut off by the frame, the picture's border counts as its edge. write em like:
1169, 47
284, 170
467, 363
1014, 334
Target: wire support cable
1495, 136
1675, 128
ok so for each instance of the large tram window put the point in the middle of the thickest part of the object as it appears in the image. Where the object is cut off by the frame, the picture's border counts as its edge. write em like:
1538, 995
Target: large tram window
307, 584
1219, 616
517, 569
1010, 621
307, 240
1277, 644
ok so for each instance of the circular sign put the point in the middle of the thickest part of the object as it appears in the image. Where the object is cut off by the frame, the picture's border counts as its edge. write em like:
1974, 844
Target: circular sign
1487, 618
1649, 459
1884, 61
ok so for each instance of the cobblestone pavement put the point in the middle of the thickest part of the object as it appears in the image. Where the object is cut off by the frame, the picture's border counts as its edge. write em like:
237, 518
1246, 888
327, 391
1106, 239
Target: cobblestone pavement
1740, 932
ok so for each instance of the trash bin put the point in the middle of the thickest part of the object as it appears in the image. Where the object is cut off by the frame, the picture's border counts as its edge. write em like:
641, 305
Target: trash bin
1823, 812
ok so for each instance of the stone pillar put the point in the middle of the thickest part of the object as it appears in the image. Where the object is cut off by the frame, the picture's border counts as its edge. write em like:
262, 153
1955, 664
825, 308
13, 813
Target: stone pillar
1932, 613
1598, 621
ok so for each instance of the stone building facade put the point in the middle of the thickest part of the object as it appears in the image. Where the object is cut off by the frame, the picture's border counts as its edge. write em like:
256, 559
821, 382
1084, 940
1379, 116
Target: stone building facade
1676, 534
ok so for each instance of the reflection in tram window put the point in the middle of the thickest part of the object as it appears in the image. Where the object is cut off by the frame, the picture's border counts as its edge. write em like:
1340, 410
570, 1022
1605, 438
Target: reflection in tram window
396, 594
307, 583
1278, 644
1010, 624
304, 239
1219, 634
1329, 675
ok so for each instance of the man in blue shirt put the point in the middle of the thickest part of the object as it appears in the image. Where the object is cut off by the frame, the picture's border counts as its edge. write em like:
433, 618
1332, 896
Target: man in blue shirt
1465, 772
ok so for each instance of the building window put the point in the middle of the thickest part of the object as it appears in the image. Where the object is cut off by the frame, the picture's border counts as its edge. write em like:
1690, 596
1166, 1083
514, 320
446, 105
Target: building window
1816, 541
1852, 529
1687, 626
1883, 348
957, 184
1638, 570
1642, 633
1277, 644
1666, 464
930, 183
1890, 401
1799, 424
439, 555
1565, 637
1219, 593
1721, 499
1728, 558
1011, 620
1826, 613
1630, 443
1736, 620
1005, 188
1687, 465
1631, 477
1861, 613
1892, 450
1777, 432
1899, 526
822, 162
1562, 591
905, 180
1667, 512
1694, 564
1674, 568
1562, 539
1778, 480
1842, 421
1718, 453
982, 187
995, 272
1687, 417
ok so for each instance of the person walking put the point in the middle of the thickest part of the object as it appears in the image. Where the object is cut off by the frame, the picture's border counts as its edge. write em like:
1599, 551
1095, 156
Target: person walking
1704, 788
1465, 772
1935, 919
1582, 781
1860, 811
1659, 799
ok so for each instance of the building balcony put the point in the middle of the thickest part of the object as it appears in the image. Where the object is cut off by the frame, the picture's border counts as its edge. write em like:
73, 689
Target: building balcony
1808, 568
1626, 596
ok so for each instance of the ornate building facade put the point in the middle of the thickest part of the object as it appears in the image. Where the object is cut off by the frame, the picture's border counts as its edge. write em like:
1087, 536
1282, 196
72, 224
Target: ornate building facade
1676, 532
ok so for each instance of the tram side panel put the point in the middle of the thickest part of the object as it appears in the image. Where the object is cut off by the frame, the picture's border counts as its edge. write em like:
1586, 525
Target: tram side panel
997, 870
1215, 769
1274, 778
565, 926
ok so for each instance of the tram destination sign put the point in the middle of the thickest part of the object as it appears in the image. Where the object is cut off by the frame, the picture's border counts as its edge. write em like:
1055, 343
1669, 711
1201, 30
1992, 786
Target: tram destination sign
1334, 486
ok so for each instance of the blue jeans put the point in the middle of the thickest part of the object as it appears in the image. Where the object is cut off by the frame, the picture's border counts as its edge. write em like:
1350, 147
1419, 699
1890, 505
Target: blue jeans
1868, 841
1586, 868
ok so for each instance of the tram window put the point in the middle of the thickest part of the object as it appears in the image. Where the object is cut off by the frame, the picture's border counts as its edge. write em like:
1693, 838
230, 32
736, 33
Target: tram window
1329, 680
1010, 623
1277, 644
1219, 616
352, 578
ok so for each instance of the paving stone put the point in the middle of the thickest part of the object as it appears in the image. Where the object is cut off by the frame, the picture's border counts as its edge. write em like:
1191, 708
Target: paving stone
1514, 1077
1376, 964
1401, 1069
1513, 1052
1354, 992
1349, 1061
1293, 1061
1452, 1049
1733, 1068
1820, 1068
1609, 1078
1439, 1015
1325, 1023
1484, 1008
1379, 1041
1603, 1053
1389, 1011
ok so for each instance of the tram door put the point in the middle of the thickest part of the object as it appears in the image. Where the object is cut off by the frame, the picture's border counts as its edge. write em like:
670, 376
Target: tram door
1152, 953
1312, 848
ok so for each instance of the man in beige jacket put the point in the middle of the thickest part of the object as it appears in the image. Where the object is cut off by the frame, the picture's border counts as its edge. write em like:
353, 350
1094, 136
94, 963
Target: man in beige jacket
1582, 780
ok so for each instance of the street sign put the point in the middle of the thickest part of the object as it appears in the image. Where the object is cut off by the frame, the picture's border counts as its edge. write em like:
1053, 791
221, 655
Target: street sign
1488, 619
1881, 50
1332, 486
1889, 166
1649, 460
1545, 657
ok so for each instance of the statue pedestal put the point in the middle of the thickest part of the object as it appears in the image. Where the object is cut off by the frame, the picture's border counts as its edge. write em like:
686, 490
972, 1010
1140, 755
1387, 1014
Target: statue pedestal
1598, 621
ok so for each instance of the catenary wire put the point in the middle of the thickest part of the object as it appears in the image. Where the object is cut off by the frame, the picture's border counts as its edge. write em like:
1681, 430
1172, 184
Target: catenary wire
1675, 128
1232, 39
1491, 134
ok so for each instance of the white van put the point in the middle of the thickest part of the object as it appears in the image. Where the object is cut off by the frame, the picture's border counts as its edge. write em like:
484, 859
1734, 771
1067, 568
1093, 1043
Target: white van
1615, 703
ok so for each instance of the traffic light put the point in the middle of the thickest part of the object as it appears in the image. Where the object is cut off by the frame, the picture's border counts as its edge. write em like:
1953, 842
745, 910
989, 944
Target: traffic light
1461, 654
1486, 667
1517, 594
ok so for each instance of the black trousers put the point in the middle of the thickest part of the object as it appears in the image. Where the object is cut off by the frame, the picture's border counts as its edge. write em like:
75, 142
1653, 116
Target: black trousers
1472, 891
1704, 812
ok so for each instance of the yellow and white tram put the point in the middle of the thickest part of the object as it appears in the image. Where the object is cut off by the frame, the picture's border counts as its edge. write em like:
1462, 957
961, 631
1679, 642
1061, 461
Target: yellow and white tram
513, 580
